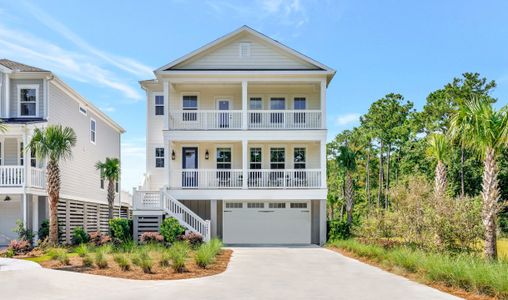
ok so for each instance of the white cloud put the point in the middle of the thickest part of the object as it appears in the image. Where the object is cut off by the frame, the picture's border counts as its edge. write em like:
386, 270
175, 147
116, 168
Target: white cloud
347, 119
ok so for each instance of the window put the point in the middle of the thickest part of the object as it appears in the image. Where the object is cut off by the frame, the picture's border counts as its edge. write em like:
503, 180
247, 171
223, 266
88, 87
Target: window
234, 204
159, 157
159, 105
255, 158
190, 102
277, 104
33, 159
299, 158
28, 101
102, 179
256, 103
93, 131
255, 205
21, 154
82, 110
244, 49
300, 103
116, 186
277, 205
277, 158
224, 158
298, 205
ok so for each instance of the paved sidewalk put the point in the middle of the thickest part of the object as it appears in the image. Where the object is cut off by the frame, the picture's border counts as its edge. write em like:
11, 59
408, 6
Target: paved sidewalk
254, 273
9, 264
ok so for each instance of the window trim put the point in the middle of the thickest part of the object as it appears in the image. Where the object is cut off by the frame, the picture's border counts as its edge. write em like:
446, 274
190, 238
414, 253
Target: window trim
299, 97
228, 146
247, 46
256, 97
197, 94
306, 154
277, 97
270, 156
28, 86
155, 105
94, 141
250, 161
83, 110
163, 157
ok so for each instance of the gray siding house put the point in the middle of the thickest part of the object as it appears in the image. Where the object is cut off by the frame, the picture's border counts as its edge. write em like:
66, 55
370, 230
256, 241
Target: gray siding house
32, 98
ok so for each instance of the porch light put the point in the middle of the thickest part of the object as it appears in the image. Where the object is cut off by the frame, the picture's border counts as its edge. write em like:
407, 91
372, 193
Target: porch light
173, 155
7, 198
207, 155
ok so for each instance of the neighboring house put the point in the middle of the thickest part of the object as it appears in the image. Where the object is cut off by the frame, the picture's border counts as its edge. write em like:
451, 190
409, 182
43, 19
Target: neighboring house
236, 143
34, 98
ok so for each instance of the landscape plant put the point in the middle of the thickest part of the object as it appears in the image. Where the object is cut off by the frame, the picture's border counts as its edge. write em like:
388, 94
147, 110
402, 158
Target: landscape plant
178, 252
18, 247
24, 234
87, 261
100, 259
98, 238
151, 238
82, 250
120, 229
194, 239
79, 236
122, 262
204, 256
171, 229
143, 260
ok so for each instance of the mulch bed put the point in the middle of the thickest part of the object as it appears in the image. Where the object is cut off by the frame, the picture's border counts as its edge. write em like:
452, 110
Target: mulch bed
158, 272
414, 277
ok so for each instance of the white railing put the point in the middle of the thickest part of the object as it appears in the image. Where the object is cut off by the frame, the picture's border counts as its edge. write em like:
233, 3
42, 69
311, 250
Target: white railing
205, 119
185, 216
209, 178
147, 200
12, 175
284, 179
284, 119
38, 178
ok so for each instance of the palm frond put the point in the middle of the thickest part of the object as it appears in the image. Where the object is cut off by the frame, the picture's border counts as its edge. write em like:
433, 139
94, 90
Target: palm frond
53, 142
438, 147
110, 168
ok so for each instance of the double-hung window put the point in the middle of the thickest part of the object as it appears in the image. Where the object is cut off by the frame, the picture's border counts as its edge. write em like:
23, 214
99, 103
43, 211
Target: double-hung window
223, 166
93, 131
299, 158
277, 158
159, 105
299, 161
190, 105
277, 103
28, 101
255, 159
33, 158
103, 179
300, 103
256, 103
159, 157
21, 154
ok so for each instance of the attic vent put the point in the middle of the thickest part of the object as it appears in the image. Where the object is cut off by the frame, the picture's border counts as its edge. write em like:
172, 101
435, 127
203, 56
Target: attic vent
244, 49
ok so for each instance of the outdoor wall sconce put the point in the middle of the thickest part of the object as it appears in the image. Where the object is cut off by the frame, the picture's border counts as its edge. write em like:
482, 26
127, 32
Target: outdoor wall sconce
7, 198
207, 155
173, 155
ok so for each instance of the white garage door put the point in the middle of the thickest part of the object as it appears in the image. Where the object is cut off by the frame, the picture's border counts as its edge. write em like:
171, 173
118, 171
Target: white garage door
10, 211
272, 222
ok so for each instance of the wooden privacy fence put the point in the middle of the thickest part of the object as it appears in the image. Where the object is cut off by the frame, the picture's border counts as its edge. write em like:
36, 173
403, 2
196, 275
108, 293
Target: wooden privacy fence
90, 216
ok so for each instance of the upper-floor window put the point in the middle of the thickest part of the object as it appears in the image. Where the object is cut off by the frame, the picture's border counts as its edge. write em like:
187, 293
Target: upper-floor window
255, 103
190, 102
28, 95
93, 131
33, 158
159, 157
255, 158
82, 110
300, 103
299, 158
103, 179
277, 158
224, 158
277, 103
159, 105
244, 49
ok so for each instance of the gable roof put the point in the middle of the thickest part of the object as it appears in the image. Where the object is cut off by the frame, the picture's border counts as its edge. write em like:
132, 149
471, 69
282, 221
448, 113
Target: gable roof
245, 29
19, 67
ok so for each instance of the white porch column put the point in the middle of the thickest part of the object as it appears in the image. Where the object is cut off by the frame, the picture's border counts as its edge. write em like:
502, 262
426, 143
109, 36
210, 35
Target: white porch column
323, 103
322, 156
213, 217
169, 163
166, 90
244, 105
35, 214
245, 150
322, 221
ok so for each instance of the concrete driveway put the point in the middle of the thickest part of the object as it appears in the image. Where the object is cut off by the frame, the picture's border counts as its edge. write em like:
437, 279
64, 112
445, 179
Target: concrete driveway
254, 273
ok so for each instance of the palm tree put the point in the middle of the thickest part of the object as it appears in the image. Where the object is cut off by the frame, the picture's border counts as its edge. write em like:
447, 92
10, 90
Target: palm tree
110, 169
3, 127
486, 131
438, 148
53, 143
347, 161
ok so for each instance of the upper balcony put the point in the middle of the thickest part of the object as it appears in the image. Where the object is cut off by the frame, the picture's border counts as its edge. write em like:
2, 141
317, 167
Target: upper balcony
244, 105
18, 176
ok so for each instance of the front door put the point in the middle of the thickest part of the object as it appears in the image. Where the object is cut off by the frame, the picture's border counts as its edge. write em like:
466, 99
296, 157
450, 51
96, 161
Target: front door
189, 166
223, 104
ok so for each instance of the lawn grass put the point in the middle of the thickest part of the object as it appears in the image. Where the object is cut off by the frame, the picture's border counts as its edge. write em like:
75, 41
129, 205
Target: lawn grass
45, 257
467, 272
502, 248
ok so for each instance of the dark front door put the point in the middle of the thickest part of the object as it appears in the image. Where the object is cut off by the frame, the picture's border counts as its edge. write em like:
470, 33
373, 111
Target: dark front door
189, 166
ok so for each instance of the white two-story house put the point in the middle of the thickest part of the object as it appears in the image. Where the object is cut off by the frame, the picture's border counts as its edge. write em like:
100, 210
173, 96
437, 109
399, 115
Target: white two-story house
236, 143
34, 98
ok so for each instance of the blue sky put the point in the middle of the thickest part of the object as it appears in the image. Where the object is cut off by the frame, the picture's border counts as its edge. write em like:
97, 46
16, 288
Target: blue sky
103, 48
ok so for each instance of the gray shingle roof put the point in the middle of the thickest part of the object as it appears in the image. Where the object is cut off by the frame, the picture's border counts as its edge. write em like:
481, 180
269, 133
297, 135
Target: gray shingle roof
13, 65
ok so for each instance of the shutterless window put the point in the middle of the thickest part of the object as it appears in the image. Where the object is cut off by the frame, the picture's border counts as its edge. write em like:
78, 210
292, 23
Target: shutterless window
102, 179
299, 158
298, 205
255, 103
277, 205
255, 205
28, 102
33, 159
93, 131
159, 105
116, 187
234, 204
159, 157
244, 49
223, 158
277, 158
255, 159
277, 103
82, 110
21, 154
190, 103
300, 103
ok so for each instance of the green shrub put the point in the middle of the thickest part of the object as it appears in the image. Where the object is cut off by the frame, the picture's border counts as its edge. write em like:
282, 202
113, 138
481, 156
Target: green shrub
338, 230
24, 234
178, 253
120, 229
54, 253
63, 258
204, 256
126, 247
43, 232
216, 245
82, 250
10, 253
87, 261
100, 259
79, 236
143, 260
171, 229
122, 262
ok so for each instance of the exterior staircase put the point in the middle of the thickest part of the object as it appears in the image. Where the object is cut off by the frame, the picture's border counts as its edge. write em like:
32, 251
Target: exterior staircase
163, 201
